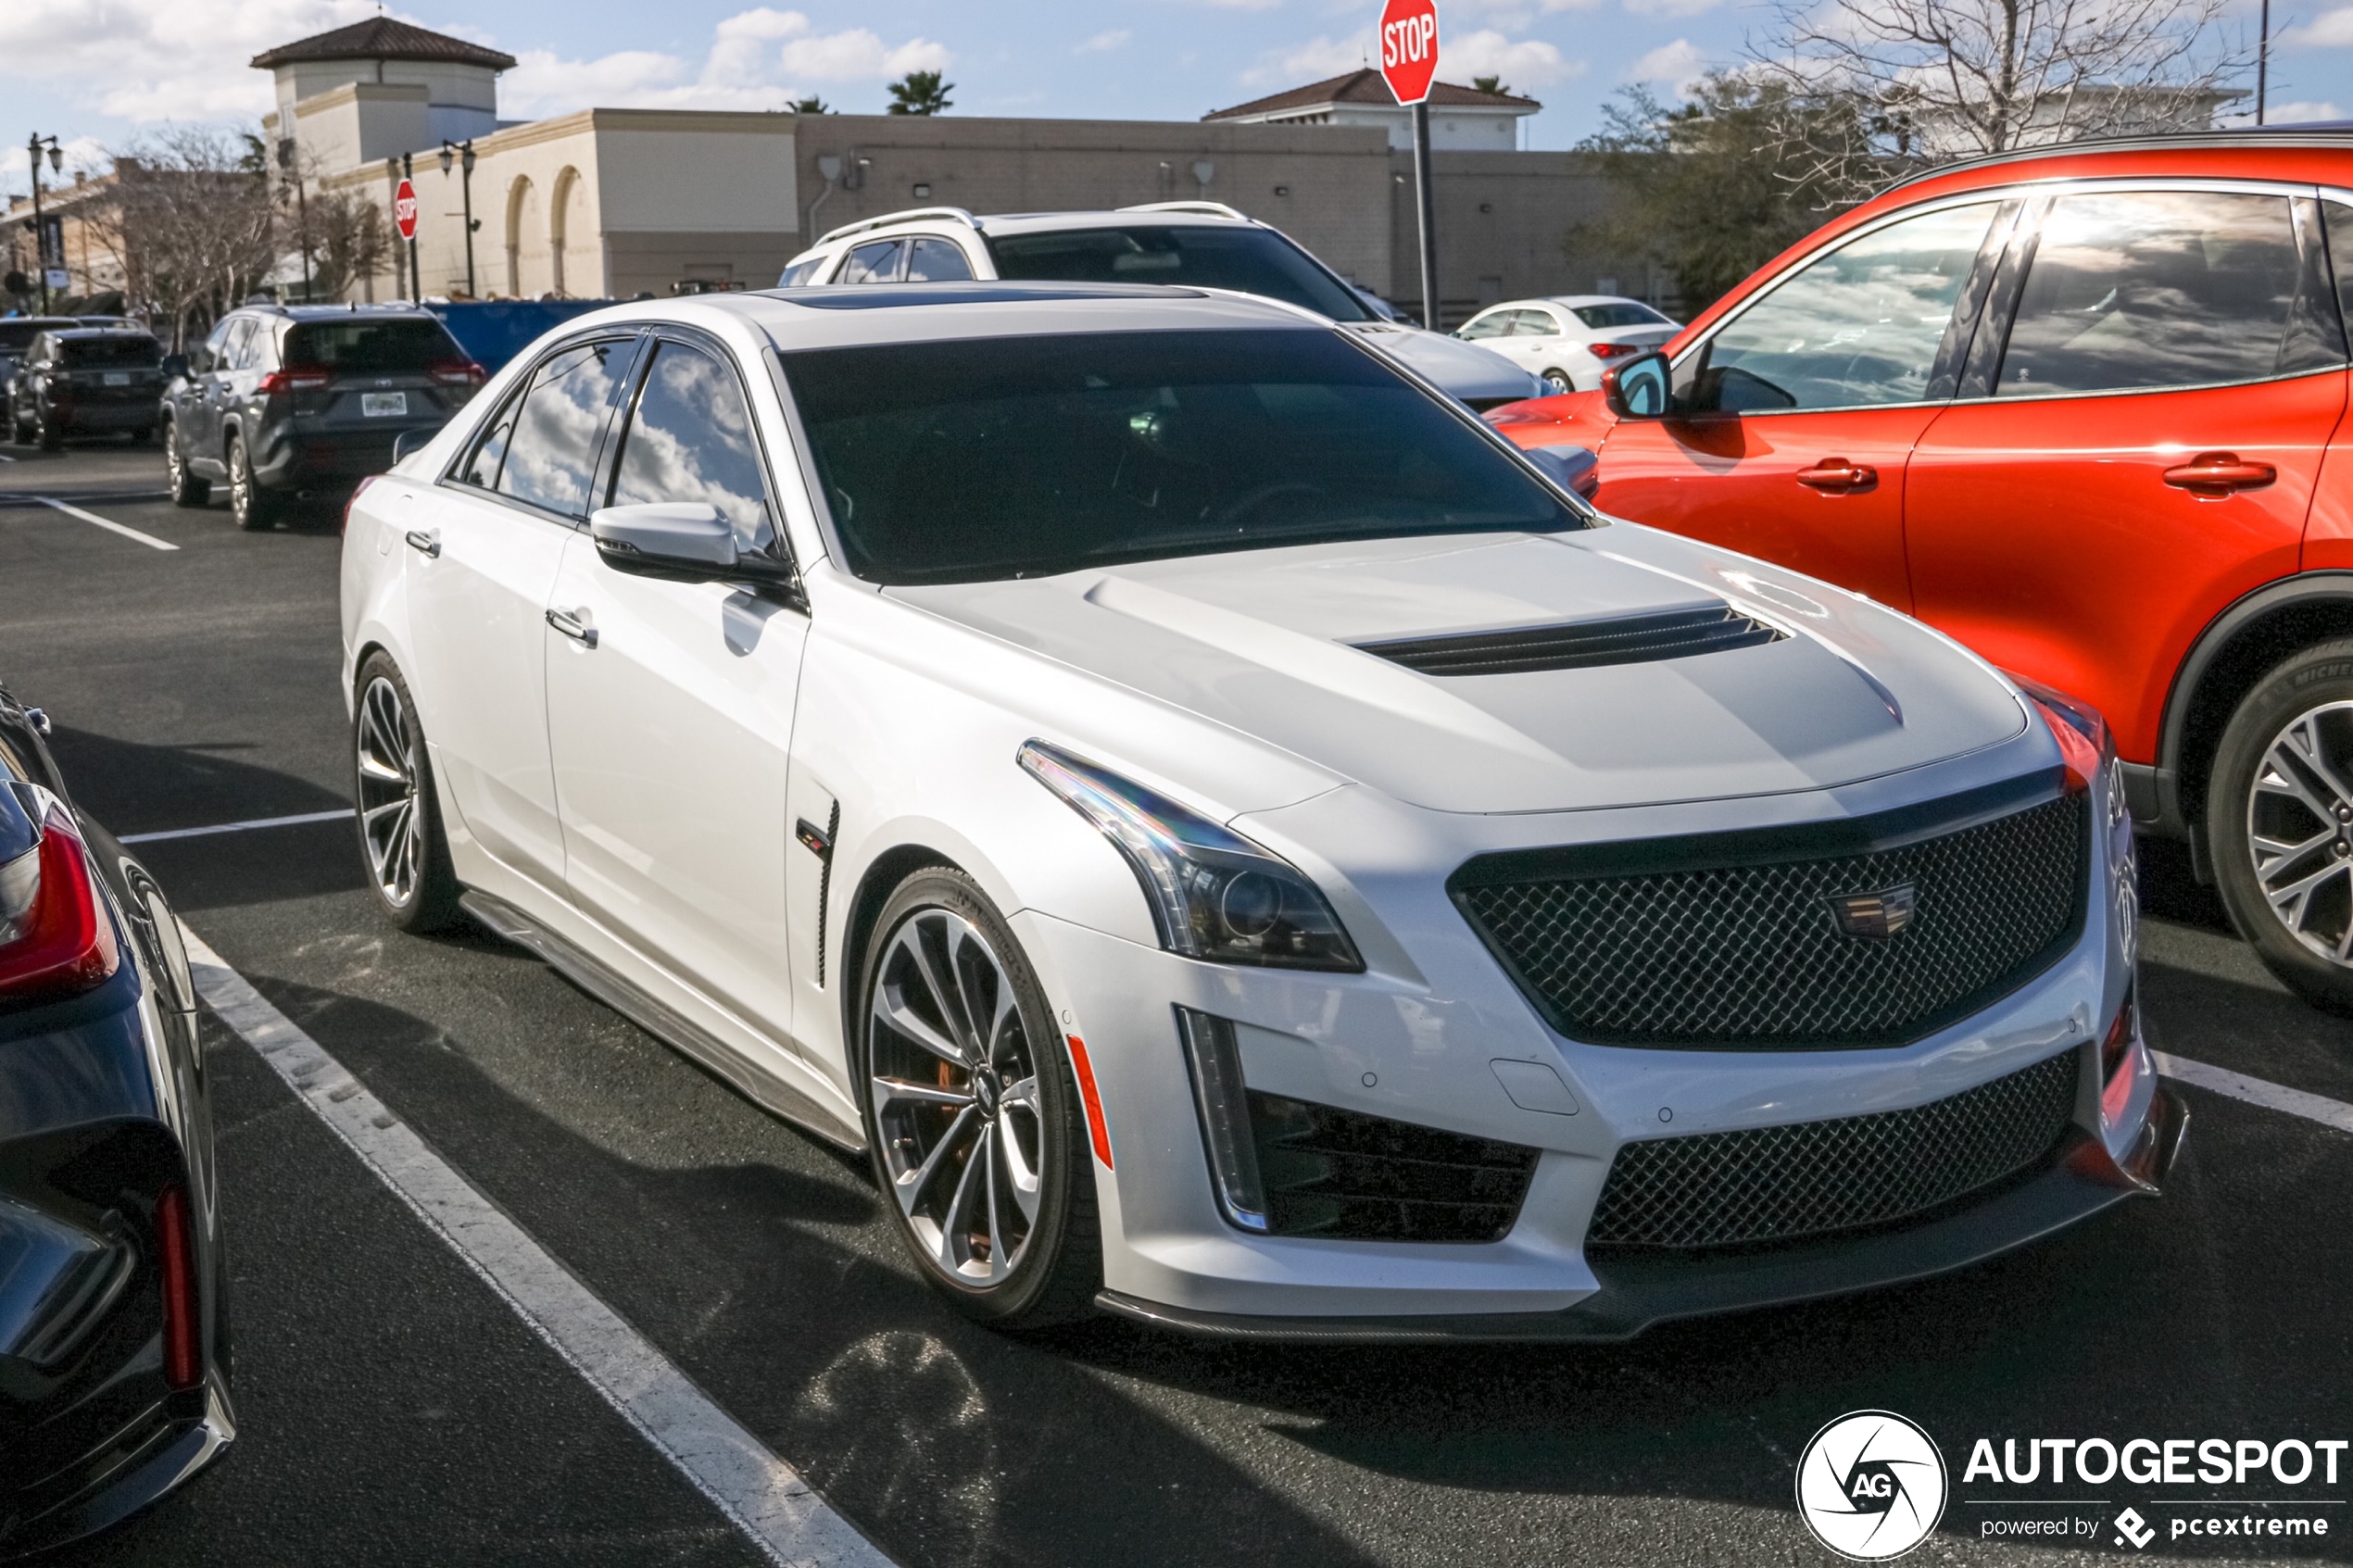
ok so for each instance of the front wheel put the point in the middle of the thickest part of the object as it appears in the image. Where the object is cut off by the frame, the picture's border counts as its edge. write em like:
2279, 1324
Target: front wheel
46, 434
2280, 823
400, 835
971, 1114
254, 507
186, 489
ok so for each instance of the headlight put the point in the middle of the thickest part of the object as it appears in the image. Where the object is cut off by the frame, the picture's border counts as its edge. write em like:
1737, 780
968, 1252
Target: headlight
2089, 748
1214, 894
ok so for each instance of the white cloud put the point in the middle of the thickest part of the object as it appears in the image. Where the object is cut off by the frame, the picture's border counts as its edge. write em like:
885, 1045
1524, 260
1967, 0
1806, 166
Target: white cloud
1529, 62
1313, 61
2329, 29
746, 68
1677, 64
1513, 15
1670, 7
150, 61
1104, 42
2303, 111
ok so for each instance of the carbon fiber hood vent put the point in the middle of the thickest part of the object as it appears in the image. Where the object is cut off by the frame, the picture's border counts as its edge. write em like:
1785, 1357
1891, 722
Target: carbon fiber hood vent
1632, 639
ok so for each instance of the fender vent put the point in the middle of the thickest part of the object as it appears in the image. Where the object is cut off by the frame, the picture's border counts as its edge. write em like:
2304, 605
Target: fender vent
1632, 639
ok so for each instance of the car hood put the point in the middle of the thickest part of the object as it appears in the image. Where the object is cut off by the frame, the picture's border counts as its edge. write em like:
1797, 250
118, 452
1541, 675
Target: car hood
1267, 643
1462, 369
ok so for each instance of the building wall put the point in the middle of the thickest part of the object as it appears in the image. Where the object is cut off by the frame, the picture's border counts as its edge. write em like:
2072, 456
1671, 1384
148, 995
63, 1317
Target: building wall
357, 122
1508, 228
461, 100
1451, 129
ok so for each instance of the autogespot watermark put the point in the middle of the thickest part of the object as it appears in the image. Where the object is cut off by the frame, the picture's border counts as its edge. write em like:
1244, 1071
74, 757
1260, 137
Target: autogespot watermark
1873, 1485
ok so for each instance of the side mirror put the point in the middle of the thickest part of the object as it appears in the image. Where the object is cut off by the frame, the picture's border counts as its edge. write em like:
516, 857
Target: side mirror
174, 366
680, 541
1640, 389
411, 442
1574, 469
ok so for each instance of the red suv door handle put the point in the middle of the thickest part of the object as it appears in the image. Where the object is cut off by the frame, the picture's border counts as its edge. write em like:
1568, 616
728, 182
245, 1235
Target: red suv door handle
1838, 476
2218, 473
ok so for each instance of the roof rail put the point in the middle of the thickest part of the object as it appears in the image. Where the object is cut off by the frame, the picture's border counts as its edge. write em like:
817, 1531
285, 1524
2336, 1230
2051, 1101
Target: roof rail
955, 213
1206, 209
2329, 134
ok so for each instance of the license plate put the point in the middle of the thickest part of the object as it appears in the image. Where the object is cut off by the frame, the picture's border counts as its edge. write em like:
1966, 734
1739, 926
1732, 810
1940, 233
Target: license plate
376, 405
118, 377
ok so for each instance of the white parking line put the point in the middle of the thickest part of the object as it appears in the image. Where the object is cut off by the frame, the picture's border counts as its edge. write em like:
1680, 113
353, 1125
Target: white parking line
107, 524
236, 827
758, 1493
2255, 1091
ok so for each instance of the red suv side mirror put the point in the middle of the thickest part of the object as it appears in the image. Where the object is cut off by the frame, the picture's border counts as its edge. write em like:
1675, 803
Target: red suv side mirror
1640, 389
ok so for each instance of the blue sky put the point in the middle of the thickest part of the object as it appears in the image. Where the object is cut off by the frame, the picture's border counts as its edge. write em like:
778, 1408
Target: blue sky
97, 73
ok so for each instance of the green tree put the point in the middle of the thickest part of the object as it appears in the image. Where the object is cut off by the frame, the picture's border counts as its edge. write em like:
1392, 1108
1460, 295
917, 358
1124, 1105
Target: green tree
812, 104
1714, 189
919, 92
1490, 84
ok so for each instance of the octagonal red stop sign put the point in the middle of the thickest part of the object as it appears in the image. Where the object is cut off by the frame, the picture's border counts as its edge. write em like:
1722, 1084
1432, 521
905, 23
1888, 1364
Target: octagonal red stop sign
404, 209
1409, 48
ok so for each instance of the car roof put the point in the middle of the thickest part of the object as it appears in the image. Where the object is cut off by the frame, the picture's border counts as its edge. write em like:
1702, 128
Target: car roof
341, 312
79, 335
872, 313
1182, 216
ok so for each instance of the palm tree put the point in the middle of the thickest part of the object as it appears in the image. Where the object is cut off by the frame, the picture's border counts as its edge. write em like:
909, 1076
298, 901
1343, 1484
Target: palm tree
1491, 84
919, 92
812, 104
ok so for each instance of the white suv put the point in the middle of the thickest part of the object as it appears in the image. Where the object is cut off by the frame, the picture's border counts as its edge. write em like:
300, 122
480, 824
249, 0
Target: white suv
1200, 244
1238, 843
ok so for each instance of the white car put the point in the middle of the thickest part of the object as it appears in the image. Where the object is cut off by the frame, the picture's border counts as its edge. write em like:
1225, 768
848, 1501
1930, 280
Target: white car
1237, 843
1194, 243
1568, 340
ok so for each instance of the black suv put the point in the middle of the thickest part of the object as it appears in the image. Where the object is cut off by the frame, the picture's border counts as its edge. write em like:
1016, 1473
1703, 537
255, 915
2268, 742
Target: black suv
282, 401
79, 381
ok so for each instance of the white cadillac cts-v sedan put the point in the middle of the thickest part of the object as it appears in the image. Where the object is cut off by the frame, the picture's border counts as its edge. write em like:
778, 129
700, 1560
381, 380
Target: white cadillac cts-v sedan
1238, 844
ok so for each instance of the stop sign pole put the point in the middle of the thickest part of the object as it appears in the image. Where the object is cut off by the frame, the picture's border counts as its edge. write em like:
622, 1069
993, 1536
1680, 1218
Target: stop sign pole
1409, 64
404, 214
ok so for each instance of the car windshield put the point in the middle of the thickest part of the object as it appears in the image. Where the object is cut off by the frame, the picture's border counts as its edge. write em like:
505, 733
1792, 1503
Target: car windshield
1243, 258
94, 353
405, 344
1618, 313
986, 459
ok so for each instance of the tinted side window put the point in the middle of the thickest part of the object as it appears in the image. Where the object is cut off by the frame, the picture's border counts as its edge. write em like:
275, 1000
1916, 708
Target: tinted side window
875, 263
2148, 289
1858, 327
1495, 324
937, 261
481, 466
690, 440
552, 453
232, 352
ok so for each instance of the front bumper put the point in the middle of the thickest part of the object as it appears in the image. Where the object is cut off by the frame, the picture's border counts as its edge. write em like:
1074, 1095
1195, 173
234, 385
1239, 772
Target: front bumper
2080, 1182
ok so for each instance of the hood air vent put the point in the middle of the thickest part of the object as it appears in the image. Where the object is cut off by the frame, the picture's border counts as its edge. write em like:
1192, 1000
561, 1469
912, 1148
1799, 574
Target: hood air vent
1633, 639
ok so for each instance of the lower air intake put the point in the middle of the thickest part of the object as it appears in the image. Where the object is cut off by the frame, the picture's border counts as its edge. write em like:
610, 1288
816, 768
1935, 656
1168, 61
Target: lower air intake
1345, 1176
1764, 1185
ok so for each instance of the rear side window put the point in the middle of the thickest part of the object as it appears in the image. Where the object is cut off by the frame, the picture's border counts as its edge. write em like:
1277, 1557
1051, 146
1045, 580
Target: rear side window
1245, 258
2139, 290
112, 353
1857, 328
551, 453
1620, 313
690, 440
876, 263
371, 345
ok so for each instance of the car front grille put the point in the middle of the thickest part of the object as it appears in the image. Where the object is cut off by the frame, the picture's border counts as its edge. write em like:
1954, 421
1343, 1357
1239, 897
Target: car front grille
1766, 1184
1748, 940
1344, 1175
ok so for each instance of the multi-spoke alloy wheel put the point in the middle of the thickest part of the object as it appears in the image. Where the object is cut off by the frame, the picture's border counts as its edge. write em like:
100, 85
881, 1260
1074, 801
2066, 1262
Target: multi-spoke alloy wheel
971, 1114
399, 830
2300, 829
391, 828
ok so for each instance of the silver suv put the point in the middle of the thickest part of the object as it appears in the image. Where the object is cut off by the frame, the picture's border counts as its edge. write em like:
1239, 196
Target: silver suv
1200, 243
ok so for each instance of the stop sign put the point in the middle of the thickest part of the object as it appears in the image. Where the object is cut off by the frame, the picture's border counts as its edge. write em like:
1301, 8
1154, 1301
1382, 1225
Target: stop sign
404, 209
1409, 47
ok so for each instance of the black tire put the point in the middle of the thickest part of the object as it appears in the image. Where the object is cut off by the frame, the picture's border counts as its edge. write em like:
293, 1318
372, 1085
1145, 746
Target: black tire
405, 860
1028, 1112
1558, 381
187, 490
46, 434
254, 507
2302, 708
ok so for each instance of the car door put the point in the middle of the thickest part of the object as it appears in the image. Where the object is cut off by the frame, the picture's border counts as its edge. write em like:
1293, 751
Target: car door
1794, 418
2140, 448
200, 437
670, 706
483, 559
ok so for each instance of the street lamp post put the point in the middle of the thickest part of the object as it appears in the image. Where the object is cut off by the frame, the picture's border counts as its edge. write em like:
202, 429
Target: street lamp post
32, 148
464, 152
302, 207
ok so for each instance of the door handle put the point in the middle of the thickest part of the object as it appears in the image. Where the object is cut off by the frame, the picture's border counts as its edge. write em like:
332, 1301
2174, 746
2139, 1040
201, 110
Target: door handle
572, 625
1838, 476
2215, 474
426, 544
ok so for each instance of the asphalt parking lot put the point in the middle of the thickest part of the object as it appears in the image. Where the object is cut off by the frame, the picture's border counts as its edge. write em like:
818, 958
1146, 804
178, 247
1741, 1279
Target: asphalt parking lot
395, 1409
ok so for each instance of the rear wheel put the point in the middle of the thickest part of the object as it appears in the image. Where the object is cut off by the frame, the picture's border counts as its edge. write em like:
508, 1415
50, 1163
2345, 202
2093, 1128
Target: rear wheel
1558, 381
400, 835
971, 1115
254, 507
2280, 823
187, 490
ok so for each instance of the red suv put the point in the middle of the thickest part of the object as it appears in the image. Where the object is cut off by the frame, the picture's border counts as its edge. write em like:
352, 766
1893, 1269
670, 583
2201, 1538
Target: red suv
2082, 408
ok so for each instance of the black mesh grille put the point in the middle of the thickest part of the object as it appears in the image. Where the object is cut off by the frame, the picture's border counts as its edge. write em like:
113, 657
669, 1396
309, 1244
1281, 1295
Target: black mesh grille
1349, 1176
1754, 955
1633, 639
1779, 1184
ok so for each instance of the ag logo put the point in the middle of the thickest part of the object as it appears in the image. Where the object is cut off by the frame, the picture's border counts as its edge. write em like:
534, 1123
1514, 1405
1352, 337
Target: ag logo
1870, 1486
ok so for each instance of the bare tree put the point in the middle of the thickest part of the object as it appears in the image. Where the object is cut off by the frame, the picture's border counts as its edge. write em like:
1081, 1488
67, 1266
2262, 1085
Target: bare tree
192, 220
351, 240
1934, 80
